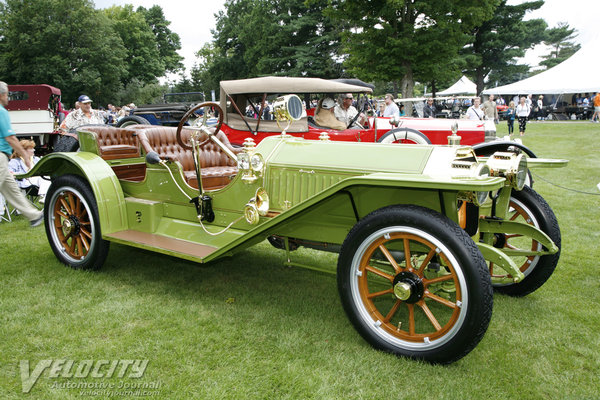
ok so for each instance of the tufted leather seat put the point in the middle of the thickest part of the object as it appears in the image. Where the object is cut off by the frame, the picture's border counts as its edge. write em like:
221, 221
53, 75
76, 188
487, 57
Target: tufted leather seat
216, 168
116, 143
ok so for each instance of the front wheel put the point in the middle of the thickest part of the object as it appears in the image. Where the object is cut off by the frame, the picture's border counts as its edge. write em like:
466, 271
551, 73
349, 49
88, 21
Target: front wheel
529, 207
404, 135
72, 224
413, 283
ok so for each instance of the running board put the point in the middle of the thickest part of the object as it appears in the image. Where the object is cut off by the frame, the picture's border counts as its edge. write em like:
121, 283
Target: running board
162, 244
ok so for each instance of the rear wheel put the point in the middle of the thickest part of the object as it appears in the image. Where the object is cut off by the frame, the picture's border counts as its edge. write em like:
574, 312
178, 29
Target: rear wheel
132, 120
529, 207
404, 135
72, 223
413, 283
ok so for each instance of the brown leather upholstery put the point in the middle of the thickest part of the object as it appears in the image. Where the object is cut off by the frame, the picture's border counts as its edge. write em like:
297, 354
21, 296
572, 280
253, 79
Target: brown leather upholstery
216, 168
116, 143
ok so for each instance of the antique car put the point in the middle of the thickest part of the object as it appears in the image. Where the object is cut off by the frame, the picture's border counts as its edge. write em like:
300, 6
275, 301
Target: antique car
423, 232
168, 113
237, 96
36, 112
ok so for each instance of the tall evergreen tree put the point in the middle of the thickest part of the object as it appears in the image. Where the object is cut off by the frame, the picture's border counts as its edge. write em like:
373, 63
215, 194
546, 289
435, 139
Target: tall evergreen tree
499, 41
560, 39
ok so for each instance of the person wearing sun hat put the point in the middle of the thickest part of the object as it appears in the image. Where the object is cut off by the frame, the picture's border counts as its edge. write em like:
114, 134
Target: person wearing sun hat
85, 115
324, 115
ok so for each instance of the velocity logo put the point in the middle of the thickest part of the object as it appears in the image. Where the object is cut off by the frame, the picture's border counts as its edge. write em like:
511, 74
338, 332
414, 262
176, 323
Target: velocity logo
80, 369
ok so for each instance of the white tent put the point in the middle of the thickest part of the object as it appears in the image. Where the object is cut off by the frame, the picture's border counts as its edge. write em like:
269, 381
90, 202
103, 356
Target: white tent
577, 74
463, 86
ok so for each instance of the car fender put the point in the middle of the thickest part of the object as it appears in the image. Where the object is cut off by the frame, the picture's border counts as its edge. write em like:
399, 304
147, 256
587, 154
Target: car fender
101, 178
489, 148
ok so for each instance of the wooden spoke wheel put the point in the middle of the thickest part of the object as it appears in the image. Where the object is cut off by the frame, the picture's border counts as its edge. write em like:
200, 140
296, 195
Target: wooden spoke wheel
414, 283
528, 207
72, 223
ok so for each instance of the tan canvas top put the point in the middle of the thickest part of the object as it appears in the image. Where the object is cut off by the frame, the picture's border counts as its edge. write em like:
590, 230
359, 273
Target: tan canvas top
285, 85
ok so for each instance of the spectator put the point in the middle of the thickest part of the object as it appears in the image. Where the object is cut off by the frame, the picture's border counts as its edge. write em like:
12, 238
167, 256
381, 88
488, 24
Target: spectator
8, 186
522, 112
381, 109
34, 186
391, 109
596, 116
529, 101
475, 112
490, 111
324, 115
540, 107
510, 117
346, 112
83, 116
401, 112
429, 110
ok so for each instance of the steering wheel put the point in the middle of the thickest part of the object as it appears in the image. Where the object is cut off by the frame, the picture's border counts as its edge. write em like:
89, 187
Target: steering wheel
199, 124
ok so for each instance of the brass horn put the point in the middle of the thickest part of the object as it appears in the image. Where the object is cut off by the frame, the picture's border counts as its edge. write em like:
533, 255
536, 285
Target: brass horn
257, 206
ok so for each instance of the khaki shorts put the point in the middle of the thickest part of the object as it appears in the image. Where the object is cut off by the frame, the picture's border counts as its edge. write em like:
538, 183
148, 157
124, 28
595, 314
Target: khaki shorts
597, 109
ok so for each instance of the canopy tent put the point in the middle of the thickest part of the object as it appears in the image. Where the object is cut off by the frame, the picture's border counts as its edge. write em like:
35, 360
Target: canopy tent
463, 86
577, 74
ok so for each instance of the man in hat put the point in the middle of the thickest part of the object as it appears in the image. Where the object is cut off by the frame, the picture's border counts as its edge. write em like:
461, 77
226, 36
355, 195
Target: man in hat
324, 115
82, 116
8, 186
346, 112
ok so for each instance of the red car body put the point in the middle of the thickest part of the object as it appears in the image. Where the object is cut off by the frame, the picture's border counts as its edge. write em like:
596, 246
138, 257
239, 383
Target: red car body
236, 95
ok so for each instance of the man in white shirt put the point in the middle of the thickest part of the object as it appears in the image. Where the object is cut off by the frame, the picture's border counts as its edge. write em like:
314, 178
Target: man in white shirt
346, 111
475, 112
391, 108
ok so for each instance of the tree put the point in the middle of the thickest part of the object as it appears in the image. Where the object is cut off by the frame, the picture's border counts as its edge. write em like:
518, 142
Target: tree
401, 40
560, 39
142, 60
168, 42
65, 43
499, 41
269, 37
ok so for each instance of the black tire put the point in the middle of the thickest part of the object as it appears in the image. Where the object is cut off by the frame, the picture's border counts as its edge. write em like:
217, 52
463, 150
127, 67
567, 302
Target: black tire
463, 316
404, 135
533, 209
66, 143
132, 120
72, 224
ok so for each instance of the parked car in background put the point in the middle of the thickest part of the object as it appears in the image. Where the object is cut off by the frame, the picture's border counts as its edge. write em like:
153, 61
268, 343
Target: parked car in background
36, 112
167, 113
423, 232
238, 95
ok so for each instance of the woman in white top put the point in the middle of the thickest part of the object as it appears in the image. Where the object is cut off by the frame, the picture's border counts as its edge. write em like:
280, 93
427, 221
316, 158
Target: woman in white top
475, 112
523, 110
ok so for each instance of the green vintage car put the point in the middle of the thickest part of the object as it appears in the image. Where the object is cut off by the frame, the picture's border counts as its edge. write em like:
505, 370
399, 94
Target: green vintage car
424, 233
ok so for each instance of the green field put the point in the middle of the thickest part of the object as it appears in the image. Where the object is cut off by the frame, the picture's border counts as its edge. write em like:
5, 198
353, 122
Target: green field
248, 327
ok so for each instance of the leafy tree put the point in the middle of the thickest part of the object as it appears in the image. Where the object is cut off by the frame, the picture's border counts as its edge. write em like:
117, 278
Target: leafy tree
168, 42
560, 39
269, 37
143, 60
65, 43
404, 40
499, 41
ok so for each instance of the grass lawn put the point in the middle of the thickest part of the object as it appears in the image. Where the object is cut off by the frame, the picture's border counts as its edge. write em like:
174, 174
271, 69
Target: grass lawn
248, 327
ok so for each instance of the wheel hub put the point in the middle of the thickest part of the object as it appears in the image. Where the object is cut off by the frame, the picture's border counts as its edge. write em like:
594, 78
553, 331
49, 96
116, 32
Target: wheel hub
408, 287
499, 240
67, 226
71, 225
